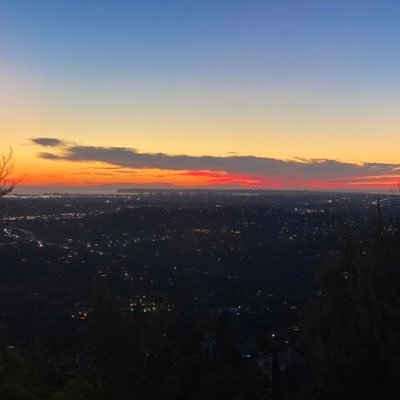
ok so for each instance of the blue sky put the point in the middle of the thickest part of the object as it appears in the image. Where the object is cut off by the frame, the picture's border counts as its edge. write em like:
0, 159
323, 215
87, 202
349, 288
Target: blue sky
339, 42
272, 79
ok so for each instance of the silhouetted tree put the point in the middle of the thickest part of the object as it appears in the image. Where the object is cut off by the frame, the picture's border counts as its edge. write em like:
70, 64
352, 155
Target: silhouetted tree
6, 168
115, 347
352, 330
224, 336
231, 383
276, 378
32, 375
80, 388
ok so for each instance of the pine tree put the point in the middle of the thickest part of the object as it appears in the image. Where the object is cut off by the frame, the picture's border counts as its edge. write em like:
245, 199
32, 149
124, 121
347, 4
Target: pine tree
353, 326
276, 378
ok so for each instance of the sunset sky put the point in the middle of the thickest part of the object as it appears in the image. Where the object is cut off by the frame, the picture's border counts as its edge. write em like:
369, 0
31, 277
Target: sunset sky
201, 93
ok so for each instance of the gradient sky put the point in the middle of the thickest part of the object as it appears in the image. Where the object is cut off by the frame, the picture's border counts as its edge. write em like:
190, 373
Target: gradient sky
201, 93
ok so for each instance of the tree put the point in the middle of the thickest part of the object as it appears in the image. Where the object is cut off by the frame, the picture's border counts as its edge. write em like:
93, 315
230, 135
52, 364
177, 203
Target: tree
6, 168
276, 378
29, 374
228, 382
225, 340
115, 346
80, 388
353, 326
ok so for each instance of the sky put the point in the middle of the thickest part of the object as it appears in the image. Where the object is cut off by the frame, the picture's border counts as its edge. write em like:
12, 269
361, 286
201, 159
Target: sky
272, 94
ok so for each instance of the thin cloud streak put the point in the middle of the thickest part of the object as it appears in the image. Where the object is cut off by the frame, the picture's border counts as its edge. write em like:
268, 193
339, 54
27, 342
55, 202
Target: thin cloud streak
48, 142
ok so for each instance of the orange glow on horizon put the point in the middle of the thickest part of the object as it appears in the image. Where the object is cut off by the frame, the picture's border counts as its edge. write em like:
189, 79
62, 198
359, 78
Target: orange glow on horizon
33, 171
89, 175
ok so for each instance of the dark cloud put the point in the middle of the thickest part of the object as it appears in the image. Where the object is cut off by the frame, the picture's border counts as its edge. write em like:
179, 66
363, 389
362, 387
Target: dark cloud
298, 169
48, 142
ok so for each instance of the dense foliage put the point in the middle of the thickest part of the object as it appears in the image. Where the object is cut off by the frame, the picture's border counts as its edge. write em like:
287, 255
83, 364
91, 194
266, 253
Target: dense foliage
129, 356
353, 328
